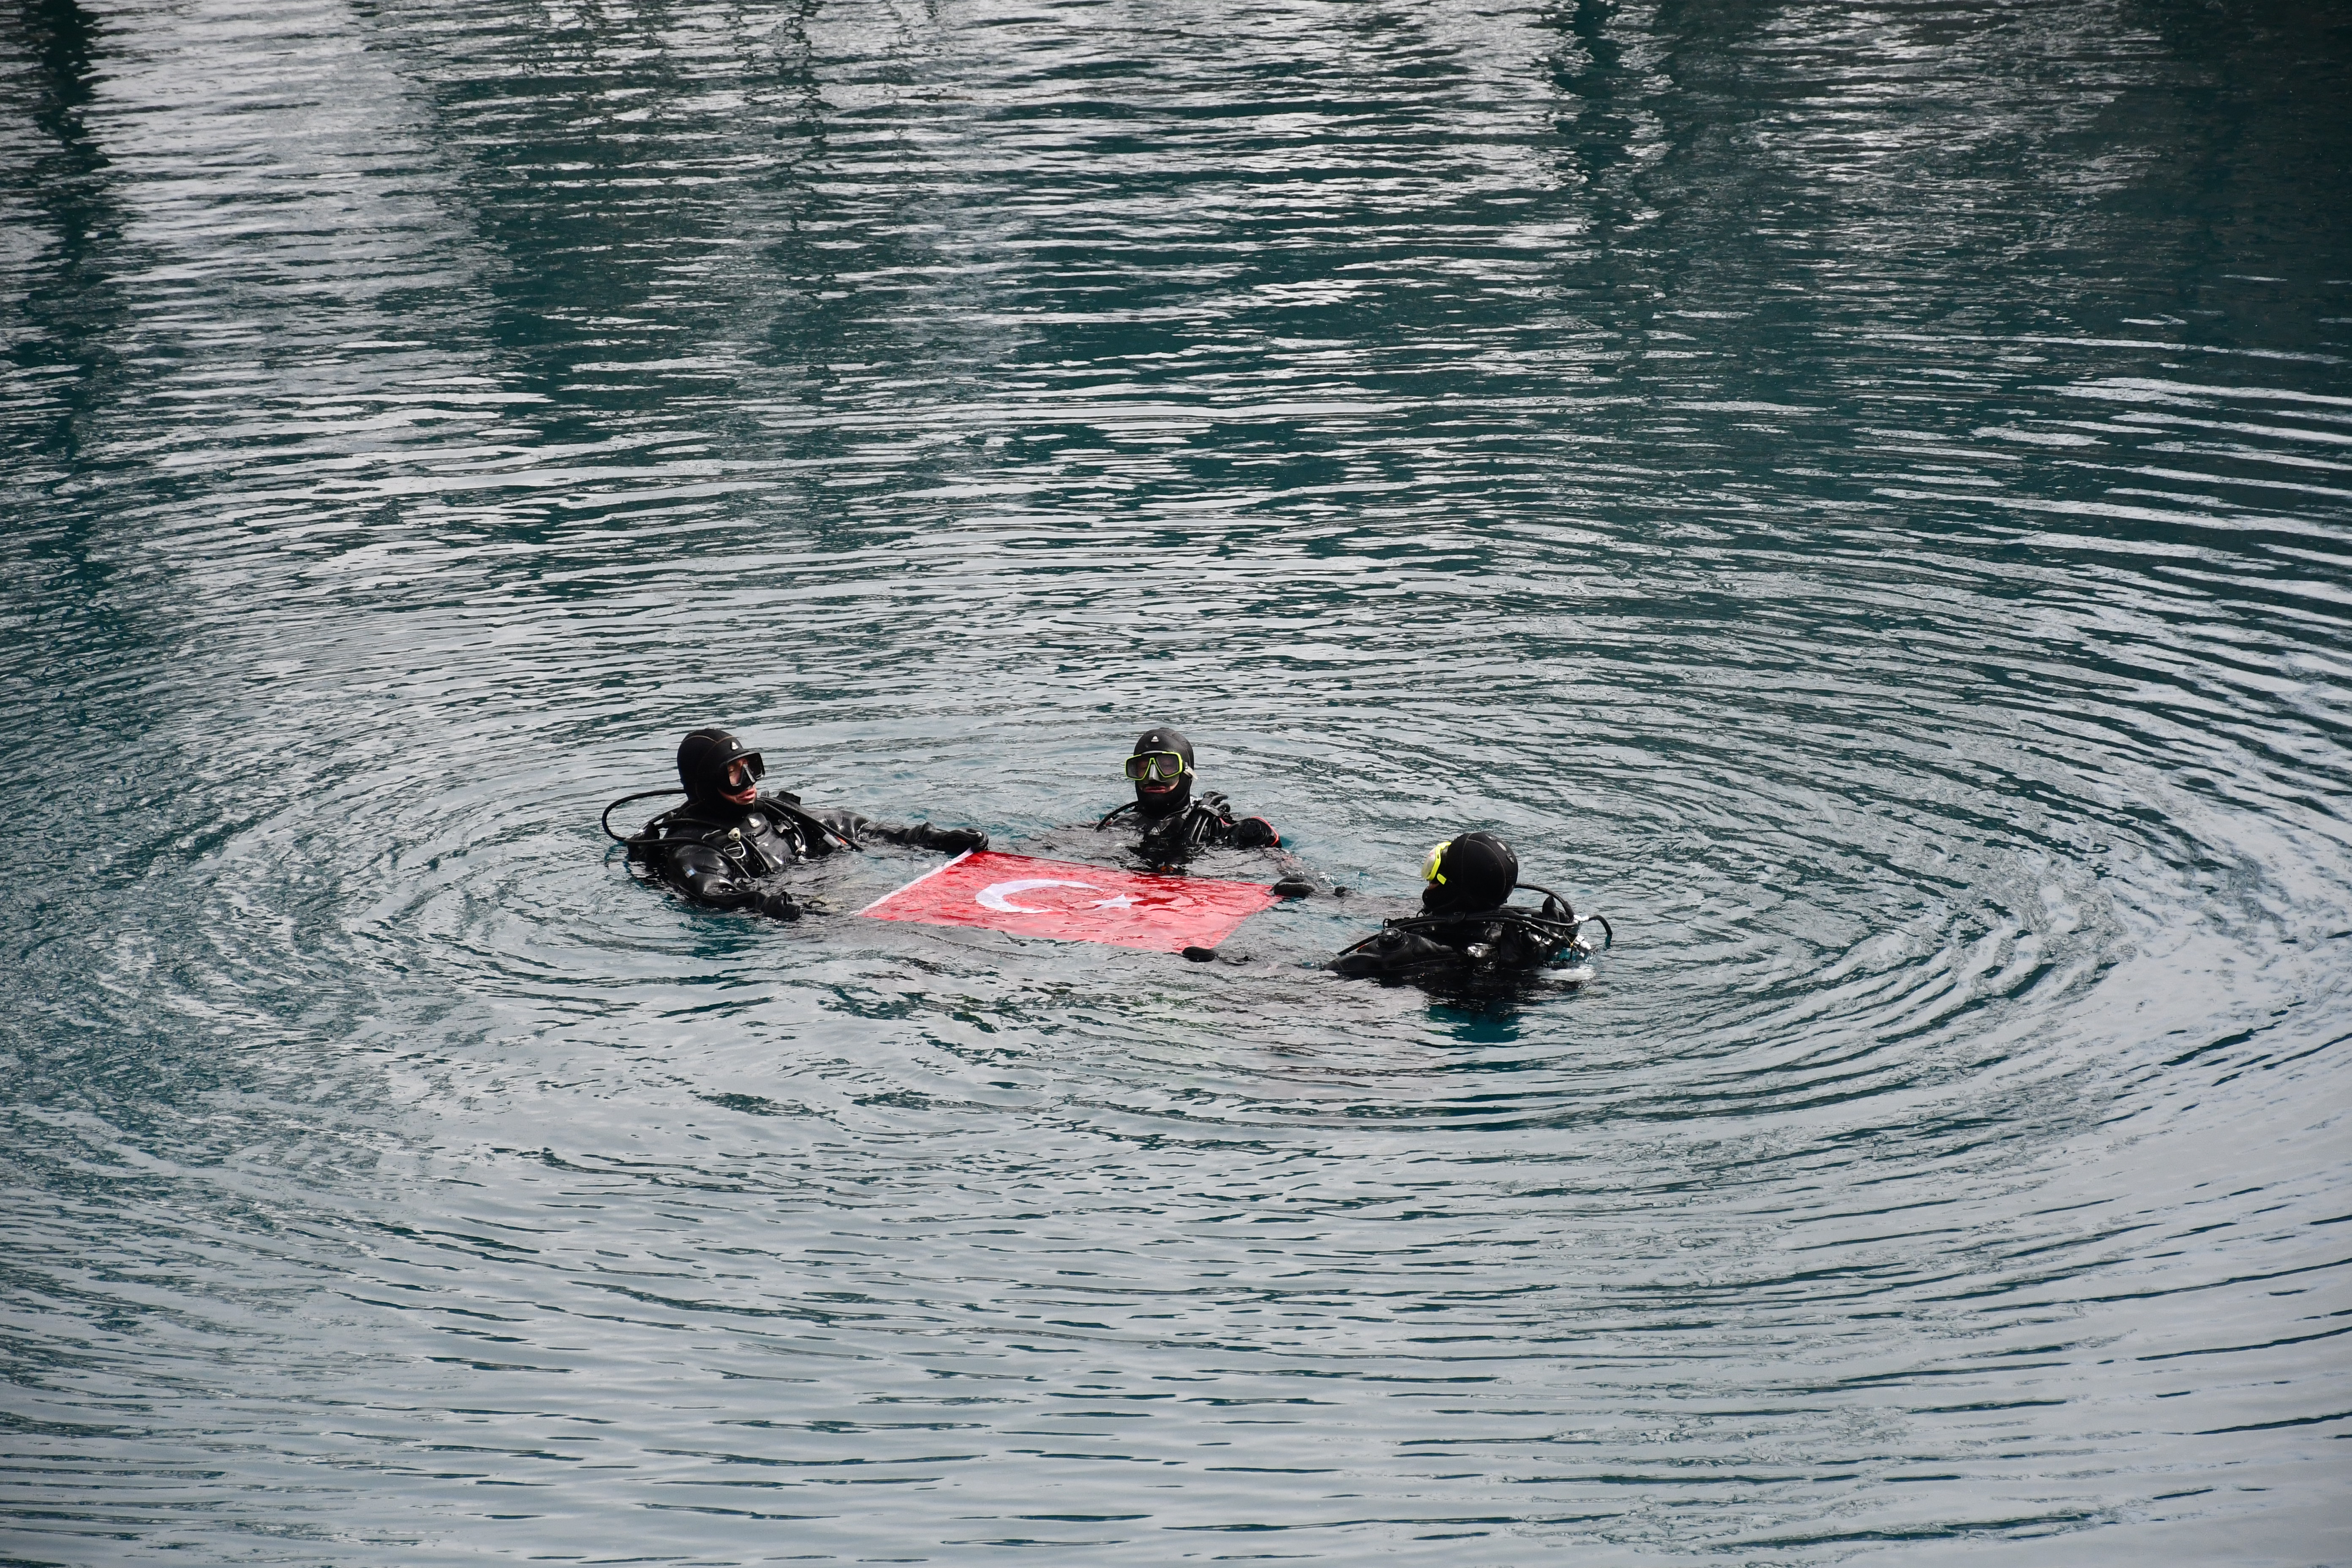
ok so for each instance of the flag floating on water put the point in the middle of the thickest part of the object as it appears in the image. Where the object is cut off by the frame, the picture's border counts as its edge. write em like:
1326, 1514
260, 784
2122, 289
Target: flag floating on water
1070, 901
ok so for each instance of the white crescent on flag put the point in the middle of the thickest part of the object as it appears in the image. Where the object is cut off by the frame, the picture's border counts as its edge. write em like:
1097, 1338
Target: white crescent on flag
1158, 911
996, 895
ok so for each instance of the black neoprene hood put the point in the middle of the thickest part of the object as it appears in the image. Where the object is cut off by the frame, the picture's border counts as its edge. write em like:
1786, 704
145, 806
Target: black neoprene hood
704, 757
1480, 870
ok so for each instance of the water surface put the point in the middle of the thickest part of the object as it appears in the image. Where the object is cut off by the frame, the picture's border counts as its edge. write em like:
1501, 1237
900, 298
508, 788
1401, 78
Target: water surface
1863, 496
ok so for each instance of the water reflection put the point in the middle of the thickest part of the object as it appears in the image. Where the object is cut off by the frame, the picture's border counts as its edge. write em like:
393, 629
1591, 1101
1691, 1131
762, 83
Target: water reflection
63, 215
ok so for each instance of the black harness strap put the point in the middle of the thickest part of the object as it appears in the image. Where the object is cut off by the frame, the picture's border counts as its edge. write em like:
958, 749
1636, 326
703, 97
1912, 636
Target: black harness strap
1545, 925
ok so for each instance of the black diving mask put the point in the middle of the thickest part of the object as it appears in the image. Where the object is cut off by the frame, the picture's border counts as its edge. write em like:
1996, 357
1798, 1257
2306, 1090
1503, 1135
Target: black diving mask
1165, 767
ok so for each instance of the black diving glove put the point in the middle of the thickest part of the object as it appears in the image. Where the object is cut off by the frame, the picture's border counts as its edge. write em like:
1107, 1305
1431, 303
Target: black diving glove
1293, 888
954, 840
1256, 833
780, 904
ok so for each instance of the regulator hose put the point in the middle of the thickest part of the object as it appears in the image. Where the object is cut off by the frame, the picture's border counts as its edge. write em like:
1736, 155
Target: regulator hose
641, 795
1552, 900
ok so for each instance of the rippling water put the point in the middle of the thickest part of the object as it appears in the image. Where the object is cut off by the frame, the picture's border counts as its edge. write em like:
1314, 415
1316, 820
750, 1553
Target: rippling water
1861, 495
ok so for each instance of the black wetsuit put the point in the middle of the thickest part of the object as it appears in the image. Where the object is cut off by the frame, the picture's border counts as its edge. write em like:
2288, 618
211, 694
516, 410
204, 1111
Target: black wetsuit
735, 856
1205, 820
1486, 943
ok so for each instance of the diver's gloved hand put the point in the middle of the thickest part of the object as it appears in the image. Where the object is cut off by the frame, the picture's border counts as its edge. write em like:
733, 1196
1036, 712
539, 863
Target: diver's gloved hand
954, 840
780, 904
1293, 888
1256, 833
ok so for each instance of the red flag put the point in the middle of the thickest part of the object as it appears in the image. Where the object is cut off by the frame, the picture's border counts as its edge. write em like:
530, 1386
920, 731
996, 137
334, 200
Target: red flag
1074, 902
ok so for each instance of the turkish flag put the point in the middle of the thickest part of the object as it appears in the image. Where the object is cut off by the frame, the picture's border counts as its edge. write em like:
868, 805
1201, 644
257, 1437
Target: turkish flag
1070, 901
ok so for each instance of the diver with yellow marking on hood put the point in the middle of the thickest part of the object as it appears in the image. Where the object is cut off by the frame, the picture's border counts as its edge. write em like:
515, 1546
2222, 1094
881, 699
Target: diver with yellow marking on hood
1468, 927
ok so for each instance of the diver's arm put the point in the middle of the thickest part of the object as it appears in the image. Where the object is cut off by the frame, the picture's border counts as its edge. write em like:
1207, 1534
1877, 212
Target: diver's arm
1297, 881
704, 875
1389, 953
1233, 832
916, 836
1249, 833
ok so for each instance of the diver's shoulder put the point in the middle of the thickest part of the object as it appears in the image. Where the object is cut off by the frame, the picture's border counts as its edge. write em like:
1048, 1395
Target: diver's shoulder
678, 822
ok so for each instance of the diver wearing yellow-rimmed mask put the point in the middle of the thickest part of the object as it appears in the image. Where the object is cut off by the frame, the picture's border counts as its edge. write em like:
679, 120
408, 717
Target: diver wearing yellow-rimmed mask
1174, 821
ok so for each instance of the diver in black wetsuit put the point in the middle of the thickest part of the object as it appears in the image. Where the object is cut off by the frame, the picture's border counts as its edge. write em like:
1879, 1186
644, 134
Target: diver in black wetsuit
1468, 929
1171, 817
729, 846
1173, 821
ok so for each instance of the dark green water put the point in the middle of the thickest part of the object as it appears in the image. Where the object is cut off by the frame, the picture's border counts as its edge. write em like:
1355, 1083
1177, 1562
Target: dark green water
1862, 495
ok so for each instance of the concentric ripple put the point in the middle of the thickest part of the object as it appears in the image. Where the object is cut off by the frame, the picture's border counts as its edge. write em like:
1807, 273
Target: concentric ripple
1861, 497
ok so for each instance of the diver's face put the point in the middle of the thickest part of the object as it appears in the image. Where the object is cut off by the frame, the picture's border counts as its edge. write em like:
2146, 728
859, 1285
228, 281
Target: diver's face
742, 783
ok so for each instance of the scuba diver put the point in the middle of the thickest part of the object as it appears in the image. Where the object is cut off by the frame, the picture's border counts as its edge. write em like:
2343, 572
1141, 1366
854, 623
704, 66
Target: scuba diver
1174, 822
1468, 929
729, 846
1172, 818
